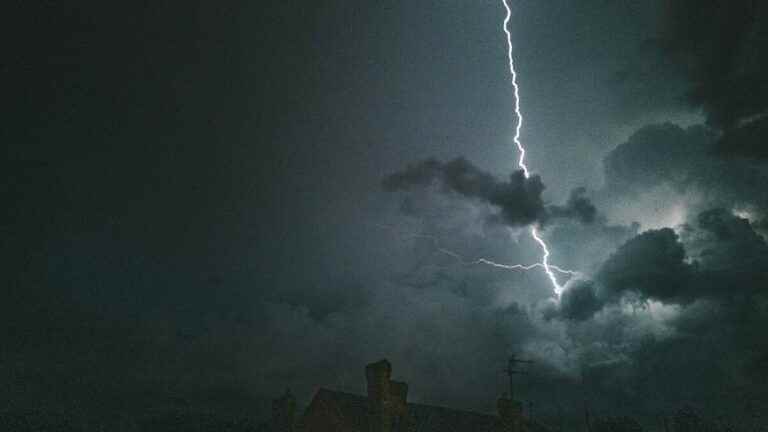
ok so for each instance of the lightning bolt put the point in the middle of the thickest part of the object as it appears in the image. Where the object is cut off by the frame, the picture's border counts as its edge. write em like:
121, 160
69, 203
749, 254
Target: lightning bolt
484, 261
519, 124
521, 161
548, 268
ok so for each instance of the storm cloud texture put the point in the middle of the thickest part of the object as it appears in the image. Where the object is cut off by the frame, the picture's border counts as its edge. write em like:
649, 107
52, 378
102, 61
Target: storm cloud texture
194, 217
518, 200
721, 47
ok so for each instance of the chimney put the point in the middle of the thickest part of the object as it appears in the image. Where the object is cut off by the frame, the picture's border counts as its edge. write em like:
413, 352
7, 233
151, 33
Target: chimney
398, 407
398, 394
377, 374
283, 410
387, 399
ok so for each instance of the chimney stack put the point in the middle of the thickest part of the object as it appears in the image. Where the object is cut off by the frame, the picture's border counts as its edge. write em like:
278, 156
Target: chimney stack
387, 399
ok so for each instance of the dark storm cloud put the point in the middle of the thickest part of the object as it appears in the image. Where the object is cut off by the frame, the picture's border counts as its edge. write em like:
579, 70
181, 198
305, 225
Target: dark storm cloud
683, 159
731, 256
651, 264
723, 48
748, 139
656, 154
708, 348
717, 257
579, 302
518, 199
577, 207
694, 332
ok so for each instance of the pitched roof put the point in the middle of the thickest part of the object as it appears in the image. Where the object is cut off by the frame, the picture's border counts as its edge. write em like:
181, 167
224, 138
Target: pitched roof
352, 411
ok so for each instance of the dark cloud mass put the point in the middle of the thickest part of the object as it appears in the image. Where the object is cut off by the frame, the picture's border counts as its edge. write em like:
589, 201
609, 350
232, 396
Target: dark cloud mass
667, 155
656, 154
725, 239
723, 48
651, 264
578, 207
677, 317
518, 200
717, 257
579, 302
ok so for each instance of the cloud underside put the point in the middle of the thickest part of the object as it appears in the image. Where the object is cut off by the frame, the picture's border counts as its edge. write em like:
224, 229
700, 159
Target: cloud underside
518, 199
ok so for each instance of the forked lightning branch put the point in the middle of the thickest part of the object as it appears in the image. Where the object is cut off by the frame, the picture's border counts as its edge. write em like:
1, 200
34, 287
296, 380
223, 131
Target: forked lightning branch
521, 160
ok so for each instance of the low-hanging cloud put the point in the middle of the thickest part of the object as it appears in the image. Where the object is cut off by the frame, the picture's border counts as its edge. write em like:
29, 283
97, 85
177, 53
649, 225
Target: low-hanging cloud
518, 199
578, 207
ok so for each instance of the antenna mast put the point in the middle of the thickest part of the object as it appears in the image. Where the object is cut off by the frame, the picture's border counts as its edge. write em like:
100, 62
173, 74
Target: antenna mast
510, 370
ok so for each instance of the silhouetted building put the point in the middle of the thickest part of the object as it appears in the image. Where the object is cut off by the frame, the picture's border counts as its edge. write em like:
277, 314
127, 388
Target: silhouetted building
386, 409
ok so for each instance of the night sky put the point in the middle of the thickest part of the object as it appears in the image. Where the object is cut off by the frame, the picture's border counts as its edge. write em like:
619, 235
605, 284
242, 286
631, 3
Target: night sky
205, 204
